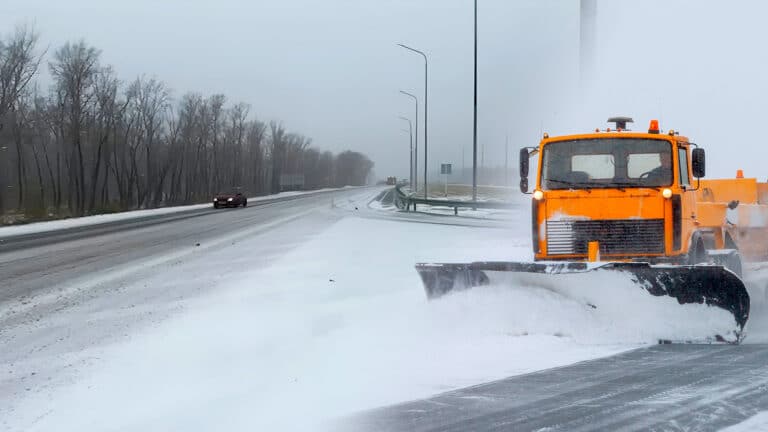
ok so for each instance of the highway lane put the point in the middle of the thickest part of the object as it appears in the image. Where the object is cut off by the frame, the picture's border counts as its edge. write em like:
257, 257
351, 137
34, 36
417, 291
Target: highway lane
141, 219
33, 264
664, 388
61, 302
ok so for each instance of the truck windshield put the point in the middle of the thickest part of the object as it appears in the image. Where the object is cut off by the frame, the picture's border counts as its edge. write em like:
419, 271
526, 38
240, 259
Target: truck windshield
607, 163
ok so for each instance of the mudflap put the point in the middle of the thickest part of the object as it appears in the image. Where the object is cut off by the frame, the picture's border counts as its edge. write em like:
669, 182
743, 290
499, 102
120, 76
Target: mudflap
702, 284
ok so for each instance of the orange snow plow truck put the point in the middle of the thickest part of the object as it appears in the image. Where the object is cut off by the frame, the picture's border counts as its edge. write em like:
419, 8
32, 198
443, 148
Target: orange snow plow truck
631, 204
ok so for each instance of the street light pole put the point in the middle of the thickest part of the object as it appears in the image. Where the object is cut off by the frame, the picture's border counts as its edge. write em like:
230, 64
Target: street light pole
506, 161
425, 113
410, 132
474, 123
415, 163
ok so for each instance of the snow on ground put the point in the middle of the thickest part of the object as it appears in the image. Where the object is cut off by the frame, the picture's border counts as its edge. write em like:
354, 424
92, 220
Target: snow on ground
479, 213
39, 227
386, 204
337, 325
756, 281
378, 205
756, 423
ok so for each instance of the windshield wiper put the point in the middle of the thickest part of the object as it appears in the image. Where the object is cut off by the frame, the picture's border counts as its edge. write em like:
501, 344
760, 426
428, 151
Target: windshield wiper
586, 186
621, 185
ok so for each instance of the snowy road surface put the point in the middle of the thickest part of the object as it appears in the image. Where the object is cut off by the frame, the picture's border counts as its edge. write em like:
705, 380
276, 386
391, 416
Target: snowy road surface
294, 315
134, 215
59, 303
667, 387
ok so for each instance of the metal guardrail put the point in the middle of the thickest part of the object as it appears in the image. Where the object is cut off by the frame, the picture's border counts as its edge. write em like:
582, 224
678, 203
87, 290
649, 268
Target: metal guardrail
406, 201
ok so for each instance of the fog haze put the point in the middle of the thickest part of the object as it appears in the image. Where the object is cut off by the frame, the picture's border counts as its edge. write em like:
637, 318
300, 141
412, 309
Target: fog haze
332, 71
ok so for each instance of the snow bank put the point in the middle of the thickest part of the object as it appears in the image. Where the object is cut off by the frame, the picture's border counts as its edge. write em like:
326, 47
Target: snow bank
38, 227
611, 308
756, 281
756, 423
465, 212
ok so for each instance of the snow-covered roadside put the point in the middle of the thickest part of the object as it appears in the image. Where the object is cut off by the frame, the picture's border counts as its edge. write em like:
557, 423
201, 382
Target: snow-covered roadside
463, 212
337, 325
756, 423
39, 227
479, 213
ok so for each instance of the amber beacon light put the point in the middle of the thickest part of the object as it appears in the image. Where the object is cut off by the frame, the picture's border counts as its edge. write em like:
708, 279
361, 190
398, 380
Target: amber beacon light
653, 127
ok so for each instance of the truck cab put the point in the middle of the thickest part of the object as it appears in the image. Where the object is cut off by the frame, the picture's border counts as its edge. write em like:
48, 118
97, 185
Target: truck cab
631, 206
629, 192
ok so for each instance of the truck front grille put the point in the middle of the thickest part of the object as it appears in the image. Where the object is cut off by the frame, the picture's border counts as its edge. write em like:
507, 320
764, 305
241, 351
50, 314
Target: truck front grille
616, 237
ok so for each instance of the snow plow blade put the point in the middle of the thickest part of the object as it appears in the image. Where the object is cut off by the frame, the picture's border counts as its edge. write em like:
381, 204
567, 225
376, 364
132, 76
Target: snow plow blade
711, 285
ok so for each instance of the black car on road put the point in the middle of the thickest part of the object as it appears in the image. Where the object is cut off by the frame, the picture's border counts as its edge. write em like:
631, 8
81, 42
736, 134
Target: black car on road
230, 199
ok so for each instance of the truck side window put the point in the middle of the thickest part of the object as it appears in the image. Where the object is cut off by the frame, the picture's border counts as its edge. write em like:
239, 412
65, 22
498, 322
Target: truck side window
682, 159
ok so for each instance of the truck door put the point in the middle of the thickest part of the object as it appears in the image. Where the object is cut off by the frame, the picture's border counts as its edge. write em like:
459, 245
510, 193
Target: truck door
682, 228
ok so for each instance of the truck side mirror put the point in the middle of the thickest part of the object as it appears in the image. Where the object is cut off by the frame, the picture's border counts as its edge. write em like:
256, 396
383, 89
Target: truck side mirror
524, 155
524, 165
698, 162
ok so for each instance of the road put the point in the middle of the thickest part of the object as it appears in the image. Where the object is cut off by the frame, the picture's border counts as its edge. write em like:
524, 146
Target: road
65, 303
666, 387
63, 298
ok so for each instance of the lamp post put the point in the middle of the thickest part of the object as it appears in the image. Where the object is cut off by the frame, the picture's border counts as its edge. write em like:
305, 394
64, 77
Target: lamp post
425, 113
410, 133
415, 163
506, 161
474, 123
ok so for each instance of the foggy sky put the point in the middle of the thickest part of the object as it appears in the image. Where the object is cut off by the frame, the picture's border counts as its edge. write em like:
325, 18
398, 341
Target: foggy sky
331, 69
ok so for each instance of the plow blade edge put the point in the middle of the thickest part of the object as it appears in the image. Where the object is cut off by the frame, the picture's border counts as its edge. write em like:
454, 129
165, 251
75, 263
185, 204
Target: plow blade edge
703, 284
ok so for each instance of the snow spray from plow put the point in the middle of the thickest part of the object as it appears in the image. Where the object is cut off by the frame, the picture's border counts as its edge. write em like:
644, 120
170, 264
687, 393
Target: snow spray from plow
715, 288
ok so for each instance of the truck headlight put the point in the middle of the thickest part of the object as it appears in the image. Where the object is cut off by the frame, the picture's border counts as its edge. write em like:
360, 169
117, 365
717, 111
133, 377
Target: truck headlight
538, 195
667, 193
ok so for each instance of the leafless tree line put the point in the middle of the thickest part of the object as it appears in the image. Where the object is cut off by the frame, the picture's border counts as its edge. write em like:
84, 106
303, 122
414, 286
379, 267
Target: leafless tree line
93, 143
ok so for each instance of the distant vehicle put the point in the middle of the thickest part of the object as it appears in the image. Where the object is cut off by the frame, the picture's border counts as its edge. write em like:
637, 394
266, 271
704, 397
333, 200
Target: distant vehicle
234, 198
392, 181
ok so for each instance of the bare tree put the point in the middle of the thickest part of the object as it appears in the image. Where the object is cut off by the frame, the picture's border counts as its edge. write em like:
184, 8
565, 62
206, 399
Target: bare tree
18, 65
106, 111
148, 107
256, 166
92, 144
74, 68
277, 153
